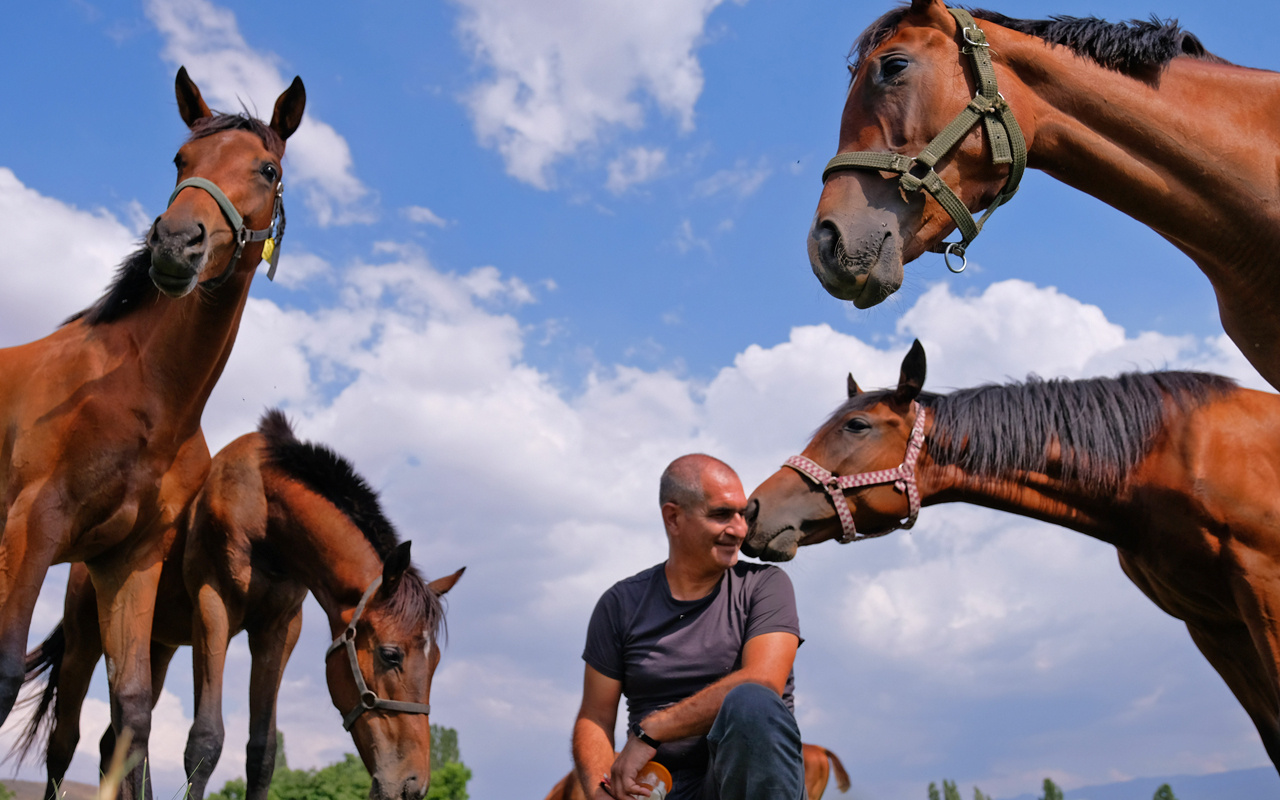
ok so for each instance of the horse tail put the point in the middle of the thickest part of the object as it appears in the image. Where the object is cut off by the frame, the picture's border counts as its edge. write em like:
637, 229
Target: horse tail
842, 777
45, 658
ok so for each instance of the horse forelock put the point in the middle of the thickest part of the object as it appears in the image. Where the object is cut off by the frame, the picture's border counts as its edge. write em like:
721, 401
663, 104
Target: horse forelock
1123, 46
416, 606
208, 126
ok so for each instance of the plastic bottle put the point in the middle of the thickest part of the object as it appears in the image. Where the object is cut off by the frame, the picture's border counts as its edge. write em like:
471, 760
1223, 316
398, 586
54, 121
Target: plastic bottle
657, 778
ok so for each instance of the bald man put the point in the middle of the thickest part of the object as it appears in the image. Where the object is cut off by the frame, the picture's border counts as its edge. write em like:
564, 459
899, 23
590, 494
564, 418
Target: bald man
702, 645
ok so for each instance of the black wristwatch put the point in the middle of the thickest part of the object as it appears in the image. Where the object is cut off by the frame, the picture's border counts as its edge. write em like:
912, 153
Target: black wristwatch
638, 732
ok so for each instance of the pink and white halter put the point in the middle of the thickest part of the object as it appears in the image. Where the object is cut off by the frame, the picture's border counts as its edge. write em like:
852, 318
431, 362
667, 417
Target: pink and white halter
903, 477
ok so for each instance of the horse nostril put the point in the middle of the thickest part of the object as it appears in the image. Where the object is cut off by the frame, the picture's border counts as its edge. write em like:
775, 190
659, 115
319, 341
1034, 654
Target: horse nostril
827, 237
197, 238
753, 511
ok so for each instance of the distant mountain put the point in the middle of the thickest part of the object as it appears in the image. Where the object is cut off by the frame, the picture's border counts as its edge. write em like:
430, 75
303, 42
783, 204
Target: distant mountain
1241, 784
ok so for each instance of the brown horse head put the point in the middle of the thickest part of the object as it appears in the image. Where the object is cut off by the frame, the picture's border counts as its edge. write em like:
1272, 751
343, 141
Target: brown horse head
240, 157
398, 650
869, 432
910, 79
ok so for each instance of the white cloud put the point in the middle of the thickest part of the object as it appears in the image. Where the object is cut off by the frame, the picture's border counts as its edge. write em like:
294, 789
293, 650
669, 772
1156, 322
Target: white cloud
742, 180
207, 40
637, 165
687, 240
56, 259
422, 215
562, 74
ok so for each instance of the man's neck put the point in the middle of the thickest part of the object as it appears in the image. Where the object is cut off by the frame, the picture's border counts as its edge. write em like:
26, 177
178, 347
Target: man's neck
689, 584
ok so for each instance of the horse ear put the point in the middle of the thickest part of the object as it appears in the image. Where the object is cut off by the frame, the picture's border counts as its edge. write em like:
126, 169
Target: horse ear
853, 386
288, 114
911, 379
443, 585
190, 104
393, 569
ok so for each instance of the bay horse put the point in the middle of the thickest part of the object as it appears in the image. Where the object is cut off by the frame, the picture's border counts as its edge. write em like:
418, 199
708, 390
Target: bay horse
1176, 470
955, 104
276, 518
819, 763
100, 441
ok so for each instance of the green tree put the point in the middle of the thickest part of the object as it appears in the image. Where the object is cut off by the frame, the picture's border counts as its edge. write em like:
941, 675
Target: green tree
1164, 793
348, 780
444, 747
933, 791
1051, 790
6, 793
978, 795
949, 790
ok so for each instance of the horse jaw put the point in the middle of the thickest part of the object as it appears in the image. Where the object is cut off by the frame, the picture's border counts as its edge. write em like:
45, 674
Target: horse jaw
854, 247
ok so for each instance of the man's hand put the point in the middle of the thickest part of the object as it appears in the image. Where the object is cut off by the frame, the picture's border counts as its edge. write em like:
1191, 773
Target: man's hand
627, 766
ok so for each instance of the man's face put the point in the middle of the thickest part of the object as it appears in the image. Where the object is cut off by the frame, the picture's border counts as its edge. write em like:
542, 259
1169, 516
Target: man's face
710, 533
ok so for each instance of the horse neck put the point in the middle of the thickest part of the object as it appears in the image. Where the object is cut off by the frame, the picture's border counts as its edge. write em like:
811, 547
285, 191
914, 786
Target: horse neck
181, 346
1176, 153
1028, 493
333, 558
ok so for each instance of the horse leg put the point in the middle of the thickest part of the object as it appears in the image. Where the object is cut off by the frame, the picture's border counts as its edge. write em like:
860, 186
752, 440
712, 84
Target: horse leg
83, 649
210, 633
270, 646
126, 590
27, 548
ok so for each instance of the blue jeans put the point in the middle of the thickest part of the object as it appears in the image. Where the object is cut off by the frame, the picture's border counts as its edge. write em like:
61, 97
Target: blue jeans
755, 750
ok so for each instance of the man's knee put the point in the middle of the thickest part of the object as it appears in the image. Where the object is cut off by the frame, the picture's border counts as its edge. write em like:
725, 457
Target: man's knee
751, 706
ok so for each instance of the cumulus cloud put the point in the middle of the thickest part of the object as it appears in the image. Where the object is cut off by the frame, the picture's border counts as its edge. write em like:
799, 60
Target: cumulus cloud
422, 215
207, 40
561, 75
637, 165
56, 259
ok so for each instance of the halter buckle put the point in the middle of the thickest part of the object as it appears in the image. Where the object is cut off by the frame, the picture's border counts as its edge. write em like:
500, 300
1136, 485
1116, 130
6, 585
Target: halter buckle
981, 41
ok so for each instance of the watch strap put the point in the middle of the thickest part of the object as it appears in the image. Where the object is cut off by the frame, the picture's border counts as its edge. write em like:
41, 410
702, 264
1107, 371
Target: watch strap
638, 732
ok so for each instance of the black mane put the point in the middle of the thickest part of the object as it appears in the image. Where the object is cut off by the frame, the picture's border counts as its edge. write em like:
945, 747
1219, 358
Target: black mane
1126, 47
132, 286
1104, 426
334, 478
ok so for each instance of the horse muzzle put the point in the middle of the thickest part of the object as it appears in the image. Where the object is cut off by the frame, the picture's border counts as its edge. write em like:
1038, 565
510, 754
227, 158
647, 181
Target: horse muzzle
178, 253
410, 788
862, 264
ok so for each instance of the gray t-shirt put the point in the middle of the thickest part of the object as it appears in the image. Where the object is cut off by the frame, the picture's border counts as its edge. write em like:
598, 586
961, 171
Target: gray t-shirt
664, 650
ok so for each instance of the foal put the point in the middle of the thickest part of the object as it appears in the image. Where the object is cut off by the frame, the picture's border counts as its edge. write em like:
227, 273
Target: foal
277, 517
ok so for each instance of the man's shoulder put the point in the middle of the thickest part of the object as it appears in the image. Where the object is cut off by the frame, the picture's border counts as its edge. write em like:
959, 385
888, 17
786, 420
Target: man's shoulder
635, 585
752, 572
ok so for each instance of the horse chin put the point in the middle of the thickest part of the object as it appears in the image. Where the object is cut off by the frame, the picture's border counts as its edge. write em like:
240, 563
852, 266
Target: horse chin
780, 546
173, 279
864, 273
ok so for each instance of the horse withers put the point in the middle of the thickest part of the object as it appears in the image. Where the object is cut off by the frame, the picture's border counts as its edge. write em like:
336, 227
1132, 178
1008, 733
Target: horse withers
100, 441
945, 109
1177, 470
276, 517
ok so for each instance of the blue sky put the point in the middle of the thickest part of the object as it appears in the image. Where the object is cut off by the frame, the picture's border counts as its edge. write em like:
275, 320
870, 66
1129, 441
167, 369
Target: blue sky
552, 246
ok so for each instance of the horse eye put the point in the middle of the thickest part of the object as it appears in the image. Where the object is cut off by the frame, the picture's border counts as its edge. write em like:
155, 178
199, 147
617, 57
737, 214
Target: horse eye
269, 172
857, 425
391, 656
891, 66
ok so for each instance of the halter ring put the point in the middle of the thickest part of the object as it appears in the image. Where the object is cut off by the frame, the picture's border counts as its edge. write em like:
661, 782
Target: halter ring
957, 249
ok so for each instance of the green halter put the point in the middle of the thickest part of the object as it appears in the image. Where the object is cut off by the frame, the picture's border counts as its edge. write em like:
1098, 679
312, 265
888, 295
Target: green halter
243, 233
1008, 146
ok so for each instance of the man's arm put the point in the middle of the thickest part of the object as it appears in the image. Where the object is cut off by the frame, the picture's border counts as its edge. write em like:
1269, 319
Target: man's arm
766, 660
593, 731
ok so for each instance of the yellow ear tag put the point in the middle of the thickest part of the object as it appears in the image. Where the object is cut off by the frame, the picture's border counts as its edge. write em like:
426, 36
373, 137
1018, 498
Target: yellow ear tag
268, 249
